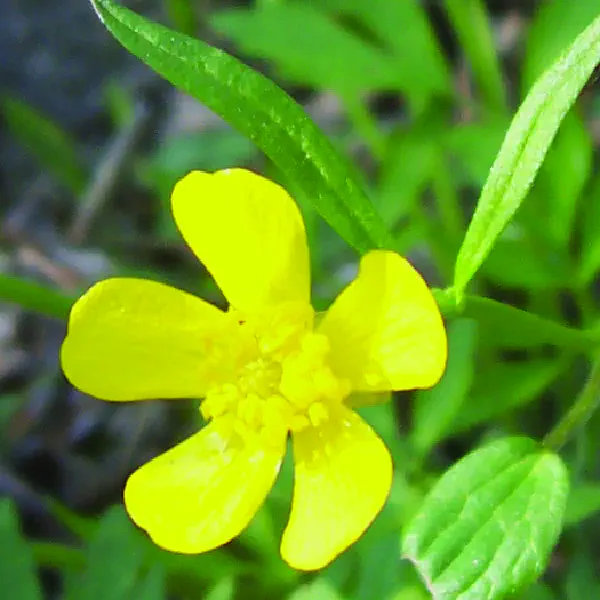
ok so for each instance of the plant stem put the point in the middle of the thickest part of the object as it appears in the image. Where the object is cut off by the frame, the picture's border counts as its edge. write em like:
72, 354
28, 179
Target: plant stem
580, 412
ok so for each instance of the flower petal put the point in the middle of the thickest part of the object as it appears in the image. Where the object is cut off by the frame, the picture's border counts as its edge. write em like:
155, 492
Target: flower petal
203, 492
385, 328
343, 474
133, 339
249, 234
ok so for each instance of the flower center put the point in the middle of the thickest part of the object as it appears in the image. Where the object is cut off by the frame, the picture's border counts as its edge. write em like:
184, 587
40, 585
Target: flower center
287, 383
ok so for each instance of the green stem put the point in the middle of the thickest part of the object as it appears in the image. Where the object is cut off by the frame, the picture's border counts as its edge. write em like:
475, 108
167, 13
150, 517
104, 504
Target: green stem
579, 414
35, 297
471, 23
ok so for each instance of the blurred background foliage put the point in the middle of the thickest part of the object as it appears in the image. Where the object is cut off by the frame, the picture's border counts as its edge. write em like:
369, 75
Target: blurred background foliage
419, 95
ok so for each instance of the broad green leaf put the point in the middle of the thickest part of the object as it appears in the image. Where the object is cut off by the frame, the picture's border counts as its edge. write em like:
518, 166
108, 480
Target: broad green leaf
503, 387
17, 569
404, 29
488, 526
584, 501
114, 558
563, 175
436, 408
35, 297
46, 141
309, 48
555, 25
523, 150
257, 108
505, 326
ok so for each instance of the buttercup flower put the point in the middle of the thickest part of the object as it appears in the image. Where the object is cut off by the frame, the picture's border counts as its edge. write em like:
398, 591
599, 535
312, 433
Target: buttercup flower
266, 368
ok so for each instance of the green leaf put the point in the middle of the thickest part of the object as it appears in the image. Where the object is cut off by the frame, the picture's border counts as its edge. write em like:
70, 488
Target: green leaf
17, 568
590, 240
475, 146
488, 526
319, 588
408, 167
436, 408
309, 48
223, 590
404, 29
503, 387
35, 297
518, 262
582, 581
152, 585
555, 25
505, 326
44, 139
537, 591
472, 25
114, 558
260, 110
584, 501
523, 150
563, 176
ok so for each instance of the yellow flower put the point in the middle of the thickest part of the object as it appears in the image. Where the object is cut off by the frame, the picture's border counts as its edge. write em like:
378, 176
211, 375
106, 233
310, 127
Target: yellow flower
265, 369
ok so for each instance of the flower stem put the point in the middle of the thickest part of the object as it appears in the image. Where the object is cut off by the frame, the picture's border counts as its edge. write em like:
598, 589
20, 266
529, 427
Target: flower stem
579, 414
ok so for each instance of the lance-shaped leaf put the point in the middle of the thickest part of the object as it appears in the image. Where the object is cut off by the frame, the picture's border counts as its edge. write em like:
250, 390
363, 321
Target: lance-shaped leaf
259, 109
523, 150
489, 524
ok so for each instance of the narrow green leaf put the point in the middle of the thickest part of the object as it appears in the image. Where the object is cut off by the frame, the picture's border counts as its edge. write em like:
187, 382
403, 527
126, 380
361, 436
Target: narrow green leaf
46, 141
584, 501
319, 588
436, 408
114, 558
17, 569
223, 590
309, 47
563, 176
523, 150
488, 526
555, 25
590, 240
260, 110
471, 23
35, 297
503, 387
582, 581
152, 585
403, 28
518, 262
509, 327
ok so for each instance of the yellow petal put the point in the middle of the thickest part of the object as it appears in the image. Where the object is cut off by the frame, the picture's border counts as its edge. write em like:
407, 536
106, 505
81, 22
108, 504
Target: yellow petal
343, 474
385, 328
133, 339
203, 492
249, 234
